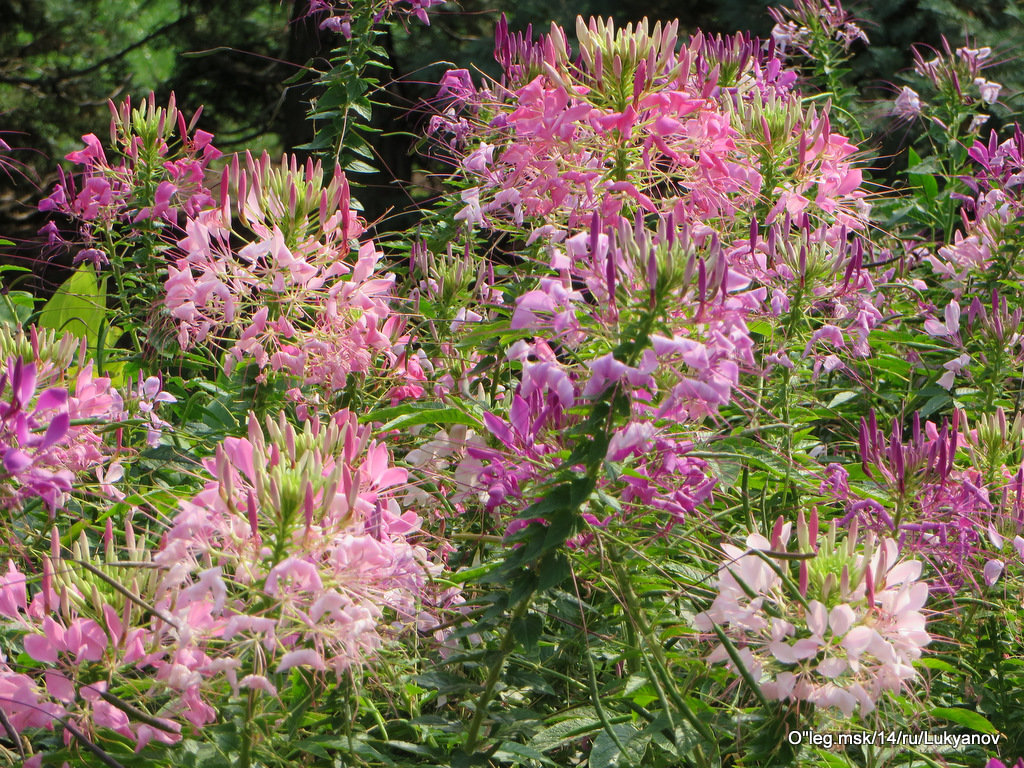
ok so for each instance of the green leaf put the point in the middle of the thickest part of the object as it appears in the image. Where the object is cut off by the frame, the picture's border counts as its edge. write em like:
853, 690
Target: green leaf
565, 732
920, 176
509, 749
935, 403
363, 108
218, 417
751, 453
528, 630
831, 759
842, 397
16, 307
918, 167
356, 87
78, 306
939, 664
405, 746
606, 753
358, 166
966, 718
433, 416
470, 575
726, 472
553, 571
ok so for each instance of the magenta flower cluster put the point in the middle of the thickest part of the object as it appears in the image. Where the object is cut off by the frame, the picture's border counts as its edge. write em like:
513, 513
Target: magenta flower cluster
580, 151
152, 178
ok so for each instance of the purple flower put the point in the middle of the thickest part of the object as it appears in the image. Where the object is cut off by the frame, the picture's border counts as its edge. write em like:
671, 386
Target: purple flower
91, 155
996, 763
456, 84
908, 104
992, 571
989, 90
974, 58
94, 256
952, 315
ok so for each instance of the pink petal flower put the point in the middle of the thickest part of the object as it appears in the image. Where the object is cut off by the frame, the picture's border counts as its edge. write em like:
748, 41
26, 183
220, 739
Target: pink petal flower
781, 688
305, 657
904, 571
170, 733
858, 640
840, 619
58, 686
40, 648
908, 104
93, 152
817, 618
805, 648
12, 592
296, 573
832, 667
258, 683
992, 571
86, 640
830, 695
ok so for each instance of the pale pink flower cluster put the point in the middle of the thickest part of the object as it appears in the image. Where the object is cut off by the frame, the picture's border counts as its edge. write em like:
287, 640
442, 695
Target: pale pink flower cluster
635, 165
950, 72
300, 295
296, 554
81, 637
841, 634
908, 104
997, 200
305, 523
681, 145
433, 461
824, 174
826, 264
677, 143
964, 256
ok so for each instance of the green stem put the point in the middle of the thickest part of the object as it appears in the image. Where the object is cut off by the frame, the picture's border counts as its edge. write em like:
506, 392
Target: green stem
595, 697
122, 292
245, 752
508, 642
661, 666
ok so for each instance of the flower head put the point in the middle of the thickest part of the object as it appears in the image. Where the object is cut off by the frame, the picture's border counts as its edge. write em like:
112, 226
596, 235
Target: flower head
841, 633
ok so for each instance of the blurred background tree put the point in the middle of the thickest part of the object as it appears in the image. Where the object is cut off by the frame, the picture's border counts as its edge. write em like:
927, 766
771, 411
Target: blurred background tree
64, 58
